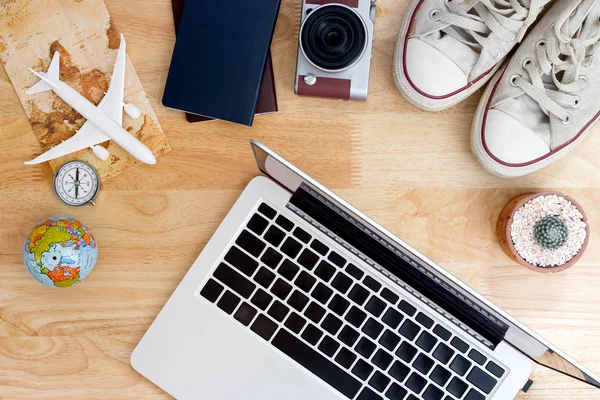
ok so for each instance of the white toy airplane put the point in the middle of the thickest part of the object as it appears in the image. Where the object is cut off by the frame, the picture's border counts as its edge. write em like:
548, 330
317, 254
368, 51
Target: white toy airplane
104, 122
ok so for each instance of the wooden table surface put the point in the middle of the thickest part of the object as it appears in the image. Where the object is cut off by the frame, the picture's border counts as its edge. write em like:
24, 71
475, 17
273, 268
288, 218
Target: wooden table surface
411, 171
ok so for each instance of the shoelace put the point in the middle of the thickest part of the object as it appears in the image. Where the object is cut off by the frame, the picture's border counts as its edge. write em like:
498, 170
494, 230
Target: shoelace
472, 23
560, 57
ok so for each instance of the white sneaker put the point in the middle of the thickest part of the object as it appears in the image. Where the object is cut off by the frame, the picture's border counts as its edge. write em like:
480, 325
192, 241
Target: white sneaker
545, 100
447, 49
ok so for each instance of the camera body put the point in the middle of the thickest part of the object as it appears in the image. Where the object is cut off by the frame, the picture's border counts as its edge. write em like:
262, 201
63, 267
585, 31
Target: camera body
335, 48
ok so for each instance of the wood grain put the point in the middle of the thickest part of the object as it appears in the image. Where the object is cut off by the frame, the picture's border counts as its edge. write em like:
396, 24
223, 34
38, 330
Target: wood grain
411, 171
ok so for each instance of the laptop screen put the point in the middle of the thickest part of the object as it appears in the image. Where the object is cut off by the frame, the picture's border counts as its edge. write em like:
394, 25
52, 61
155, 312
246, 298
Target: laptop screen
434, 285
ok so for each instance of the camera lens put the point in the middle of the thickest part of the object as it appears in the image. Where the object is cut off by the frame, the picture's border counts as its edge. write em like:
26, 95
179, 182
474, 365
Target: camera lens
333, 37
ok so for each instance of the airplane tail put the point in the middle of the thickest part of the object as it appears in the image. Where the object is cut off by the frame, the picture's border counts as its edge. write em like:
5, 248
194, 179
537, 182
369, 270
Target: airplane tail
52, 75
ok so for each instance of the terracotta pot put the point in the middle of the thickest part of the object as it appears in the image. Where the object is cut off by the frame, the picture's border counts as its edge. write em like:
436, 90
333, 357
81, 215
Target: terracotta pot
505, 222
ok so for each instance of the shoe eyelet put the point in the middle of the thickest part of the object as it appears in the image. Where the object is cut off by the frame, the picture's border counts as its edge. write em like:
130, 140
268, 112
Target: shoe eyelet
528, 61
576, 102
540, 43
513, 37
567, 120
435, 15
497, 56
513, 79
584, 79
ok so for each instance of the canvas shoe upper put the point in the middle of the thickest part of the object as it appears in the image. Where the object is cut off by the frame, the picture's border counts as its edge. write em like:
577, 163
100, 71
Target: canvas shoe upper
546, 99
448, 48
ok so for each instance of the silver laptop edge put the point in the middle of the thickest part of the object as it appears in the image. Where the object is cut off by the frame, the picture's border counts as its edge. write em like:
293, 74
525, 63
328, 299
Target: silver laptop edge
514, 332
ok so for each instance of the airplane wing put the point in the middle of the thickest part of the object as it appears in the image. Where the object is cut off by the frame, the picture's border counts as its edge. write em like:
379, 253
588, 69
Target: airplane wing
112, 103
86, 137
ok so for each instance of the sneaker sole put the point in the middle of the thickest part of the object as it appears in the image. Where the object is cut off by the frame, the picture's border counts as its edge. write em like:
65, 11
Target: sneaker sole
511, 171
422, 100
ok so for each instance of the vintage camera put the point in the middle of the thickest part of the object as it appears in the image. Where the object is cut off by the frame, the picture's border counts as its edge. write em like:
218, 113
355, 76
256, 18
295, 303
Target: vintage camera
336, 44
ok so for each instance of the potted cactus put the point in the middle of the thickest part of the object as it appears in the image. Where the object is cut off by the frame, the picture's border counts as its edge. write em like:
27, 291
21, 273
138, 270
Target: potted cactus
545, 231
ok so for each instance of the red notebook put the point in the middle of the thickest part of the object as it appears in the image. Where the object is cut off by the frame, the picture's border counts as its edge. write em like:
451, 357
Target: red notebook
267, 97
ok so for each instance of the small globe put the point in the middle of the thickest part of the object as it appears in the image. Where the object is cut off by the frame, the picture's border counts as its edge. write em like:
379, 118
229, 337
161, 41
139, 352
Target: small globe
60, 252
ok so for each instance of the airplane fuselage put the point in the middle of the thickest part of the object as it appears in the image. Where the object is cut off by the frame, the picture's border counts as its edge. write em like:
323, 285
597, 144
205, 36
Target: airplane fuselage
103, 122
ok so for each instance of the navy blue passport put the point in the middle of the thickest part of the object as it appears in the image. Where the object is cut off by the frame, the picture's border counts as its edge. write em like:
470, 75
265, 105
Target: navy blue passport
220, 57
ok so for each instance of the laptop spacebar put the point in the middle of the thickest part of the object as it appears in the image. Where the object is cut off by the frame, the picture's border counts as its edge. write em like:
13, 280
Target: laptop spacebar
316, 363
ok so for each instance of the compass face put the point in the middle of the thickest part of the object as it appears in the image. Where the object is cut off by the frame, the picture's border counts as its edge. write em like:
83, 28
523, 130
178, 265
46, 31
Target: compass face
76, 183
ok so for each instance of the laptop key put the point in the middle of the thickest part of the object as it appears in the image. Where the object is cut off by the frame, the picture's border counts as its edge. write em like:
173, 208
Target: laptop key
228, 302
365, 347
432, 393
316, 363
379, 381
336, 259
322, 293
329, 346
495, 369
358, 294
257, 224
443, 353
375, 306
288, 270
267, 211
212, 290
481, 380
338, 305
234, 280
440, 375
348, 336
399, 371
424, 320
382, 359
460, 365
261, 299
355, 316
302, 235
315, 312
319, 247
390, 296
291, 247
423, 364
271, 258
409, 329
245, 314
372, 328
281, 288
407, 308
457, 387
331, 324
264, 277
372, 283
474, 395
284, 223
442, 332
305, 281
368, 394
295, 323
416, 383
345, 358
354, 271
406, 351
342, 282
238, 259
426, 341
274, 236
250, 243
362, 369
477, 357
278, 311
325, 271
312, 334
396, 392
389, 340
308, 259
264, 327
298, 300
392, 318
459, 345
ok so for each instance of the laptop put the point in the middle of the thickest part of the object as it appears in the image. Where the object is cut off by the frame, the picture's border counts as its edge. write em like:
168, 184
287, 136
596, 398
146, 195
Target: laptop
298, 295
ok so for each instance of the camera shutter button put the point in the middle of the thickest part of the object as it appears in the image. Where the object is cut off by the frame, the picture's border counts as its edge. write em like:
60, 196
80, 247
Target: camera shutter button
310, 79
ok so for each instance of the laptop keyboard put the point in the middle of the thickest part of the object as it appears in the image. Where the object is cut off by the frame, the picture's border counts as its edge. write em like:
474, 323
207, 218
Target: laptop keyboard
342, 325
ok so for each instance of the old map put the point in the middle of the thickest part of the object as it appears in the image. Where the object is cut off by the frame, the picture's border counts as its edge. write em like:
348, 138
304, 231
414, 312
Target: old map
84, 34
